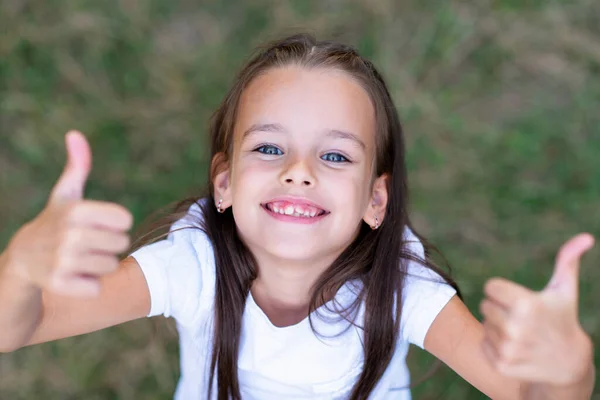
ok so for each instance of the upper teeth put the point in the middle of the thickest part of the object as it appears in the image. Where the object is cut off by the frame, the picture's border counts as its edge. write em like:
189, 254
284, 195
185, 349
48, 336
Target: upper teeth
296, 210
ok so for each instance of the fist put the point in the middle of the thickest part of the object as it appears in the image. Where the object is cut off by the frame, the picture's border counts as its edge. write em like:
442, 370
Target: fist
72, 242
536, 336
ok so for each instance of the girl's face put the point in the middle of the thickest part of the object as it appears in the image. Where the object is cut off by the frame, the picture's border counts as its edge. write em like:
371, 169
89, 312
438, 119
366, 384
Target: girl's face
301, 174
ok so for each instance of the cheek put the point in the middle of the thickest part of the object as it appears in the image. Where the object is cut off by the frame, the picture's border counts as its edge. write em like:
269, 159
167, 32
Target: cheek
251, 175
350, 192
253, 168
363, 193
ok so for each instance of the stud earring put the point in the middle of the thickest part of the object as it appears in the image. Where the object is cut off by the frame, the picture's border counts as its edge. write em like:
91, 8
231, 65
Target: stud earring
219, 210
376, 223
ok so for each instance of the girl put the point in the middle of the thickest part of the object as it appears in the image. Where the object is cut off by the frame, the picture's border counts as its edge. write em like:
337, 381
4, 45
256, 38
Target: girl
300, 275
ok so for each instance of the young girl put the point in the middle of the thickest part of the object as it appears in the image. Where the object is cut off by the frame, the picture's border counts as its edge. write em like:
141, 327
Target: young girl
300, 275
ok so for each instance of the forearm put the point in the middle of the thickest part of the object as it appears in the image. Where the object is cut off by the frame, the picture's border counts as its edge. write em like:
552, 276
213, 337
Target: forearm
581, 390
20, 308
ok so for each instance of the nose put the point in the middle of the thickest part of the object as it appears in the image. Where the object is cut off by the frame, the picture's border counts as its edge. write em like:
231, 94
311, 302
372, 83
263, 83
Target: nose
298, 172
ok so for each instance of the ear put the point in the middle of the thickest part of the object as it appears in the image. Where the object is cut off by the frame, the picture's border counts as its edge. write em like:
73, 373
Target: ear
220, 172
377, 202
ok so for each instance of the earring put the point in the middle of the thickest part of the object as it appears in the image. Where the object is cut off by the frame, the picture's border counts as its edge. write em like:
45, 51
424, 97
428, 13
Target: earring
219, 210
376, 223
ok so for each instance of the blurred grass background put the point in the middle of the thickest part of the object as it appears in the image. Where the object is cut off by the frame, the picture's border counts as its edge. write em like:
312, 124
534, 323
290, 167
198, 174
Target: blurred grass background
500, 102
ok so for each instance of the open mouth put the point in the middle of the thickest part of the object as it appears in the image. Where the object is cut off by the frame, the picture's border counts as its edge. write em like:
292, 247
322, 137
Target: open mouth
294, 210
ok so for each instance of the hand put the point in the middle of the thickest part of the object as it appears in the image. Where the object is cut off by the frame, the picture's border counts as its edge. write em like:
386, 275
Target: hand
536, 336
72, 242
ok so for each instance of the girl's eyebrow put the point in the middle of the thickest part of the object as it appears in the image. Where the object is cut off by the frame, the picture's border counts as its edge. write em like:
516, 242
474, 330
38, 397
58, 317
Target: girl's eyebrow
264, 128
278, 128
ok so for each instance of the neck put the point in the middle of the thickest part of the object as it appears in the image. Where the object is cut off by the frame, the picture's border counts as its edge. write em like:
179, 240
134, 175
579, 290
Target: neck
283, 288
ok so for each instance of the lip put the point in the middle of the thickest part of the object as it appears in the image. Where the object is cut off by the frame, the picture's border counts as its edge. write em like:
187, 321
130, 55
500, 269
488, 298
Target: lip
290, 218
296, 200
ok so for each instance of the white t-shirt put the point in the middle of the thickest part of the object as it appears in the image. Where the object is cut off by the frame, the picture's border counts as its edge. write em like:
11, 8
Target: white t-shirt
278, 363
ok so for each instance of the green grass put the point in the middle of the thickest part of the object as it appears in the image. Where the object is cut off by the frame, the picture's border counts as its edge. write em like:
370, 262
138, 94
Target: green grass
499, 100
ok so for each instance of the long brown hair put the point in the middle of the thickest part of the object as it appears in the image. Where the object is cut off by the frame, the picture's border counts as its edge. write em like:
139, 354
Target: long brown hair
376, 258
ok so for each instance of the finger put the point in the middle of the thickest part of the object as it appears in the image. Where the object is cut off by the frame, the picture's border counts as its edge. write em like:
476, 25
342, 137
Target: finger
96, 265
88, 240
505, 292
566, 271
102, 215
71, 183
494, 335
493, 313
502, 354
524, 371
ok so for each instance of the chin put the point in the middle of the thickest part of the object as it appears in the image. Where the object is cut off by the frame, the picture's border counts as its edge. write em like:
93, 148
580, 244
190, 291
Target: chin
292, 249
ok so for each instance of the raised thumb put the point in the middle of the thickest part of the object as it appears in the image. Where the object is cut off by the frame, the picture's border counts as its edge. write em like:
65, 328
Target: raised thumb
71, 184
565, 278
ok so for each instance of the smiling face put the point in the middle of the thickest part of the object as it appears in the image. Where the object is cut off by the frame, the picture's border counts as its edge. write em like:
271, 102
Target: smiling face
301, 175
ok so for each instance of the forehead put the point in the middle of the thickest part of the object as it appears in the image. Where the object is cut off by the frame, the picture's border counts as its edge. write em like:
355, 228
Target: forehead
308, 100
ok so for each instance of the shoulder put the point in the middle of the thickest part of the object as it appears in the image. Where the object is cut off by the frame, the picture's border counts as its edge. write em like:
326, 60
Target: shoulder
186, 238
416, 272
412, 243
424, 293
179, 269
193, 216
188, 231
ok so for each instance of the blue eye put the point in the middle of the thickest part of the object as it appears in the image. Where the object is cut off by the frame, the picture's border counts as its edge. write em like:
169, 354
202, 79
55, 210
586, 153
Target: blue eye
269, 150
334, 157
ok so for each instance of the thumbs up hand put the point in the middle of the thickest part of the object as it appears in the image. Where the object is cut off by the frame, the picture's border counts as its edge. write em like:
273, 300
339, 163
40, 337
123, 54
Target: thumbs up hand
536, 336
71, 183
72, 242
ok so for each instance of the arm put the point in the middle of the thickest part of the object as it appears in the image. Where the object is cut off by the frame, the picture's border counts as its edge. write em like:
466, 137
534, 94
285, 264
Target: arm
32, 315
70, 249
20, 310
457, 338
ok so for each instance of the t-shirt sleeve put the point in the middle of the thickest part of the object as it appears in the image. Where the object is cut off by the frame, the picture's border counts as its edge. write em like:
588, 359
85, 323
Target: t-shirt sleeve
424, 295
173, 269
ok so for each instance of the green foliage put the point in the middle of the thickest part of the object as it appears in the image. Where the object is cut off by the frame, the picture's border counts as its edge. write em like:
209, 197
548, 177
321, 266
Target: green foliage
499, 101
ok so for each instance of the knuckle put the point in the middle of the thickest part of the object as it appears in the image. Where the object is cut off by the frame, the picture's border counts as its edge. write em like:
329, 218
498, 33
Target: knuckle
126, 218
124, 242
62, 248
487, 307
113, 264
72, 239
483, 307
73, 212
62, 262
66, 247
109, 261
512, 331
515, 328
488, 287
493, 284
502, 367
52, 283
55, 283
107, 264
523, 308
507, 351
117, 216
502, 352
